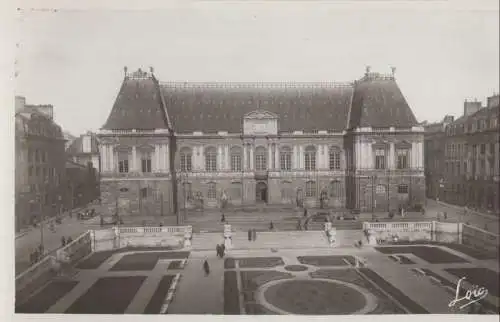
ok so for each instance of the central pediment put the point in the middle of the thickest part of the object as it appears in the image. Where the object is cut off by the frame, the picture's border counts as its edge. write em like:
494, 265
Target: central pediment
260, 115
260, 122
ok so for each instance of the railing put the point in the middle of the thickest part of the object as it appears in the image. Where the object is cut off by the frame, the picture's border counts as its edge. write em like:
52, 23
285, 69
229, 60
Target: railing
398, 226
42, 266
144, 230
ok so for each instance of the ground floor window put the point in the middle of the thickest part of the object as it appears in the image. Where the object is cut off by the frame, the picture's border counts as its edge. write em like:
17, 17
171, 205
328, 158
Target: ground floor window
310, 189
403, 188
212, 191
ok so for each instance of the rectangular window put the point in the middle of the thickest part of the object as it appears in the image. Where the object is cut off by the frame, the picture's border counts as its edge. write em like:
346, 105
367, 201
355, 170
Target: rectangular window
212, 191
123, 166
235, 162
310, 189
402, 159
310, 161
403, 188
492, 148
146, 163
260, 162
334, 160
186, 164
380, 159
483, 149
211, 162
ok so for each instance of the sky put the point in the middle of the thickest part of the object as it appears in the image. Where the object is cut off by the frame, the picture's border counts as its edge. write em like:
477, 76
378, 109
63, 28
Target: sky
74, 58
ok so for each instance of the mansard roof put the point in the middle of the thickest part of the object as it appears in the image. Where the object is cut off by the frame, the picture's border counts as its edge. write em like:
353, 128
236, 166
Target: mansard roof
378, 102
138, 105
144, 103
212, 107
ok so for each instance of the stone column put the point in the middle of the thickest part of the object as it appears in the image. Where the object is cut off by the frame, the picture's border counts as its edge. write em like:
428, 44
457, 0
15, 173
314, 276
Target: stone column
413, 156
370, 158
157, 159
111, 159
295, 157
277, 156
245, 156
219, 157
252, 148
420, 155
201, 158
301, 157
167, 158
133, 163
104, 159
391, 156
227, 158
269, 156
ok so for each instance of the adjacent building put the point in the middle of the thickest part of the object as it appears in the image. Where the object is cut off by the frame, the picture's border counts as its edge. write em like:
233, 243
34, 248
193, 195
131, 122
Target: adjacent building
84, 150
40, 163
469, 172
82, 184
167, 145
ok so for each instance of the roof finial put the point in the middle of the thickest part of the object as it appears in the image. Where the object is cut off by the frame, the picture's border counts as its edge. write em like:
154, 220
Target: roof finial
151, 69
125, 70
368, 68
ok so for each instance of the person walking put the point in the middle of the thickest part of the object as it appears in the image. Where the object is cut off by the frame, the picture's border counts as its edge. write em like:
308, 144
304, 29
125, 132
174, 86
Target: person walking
63, 241
271, 226
206, 268
223, 218
218, 250
250, 235
305, 212
69, 240
254, 234
222, 250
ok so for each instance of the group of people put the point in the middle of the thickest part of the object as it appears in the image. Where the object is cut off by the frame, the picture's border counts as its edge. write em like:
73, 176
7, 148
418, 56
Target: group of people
86, 214
252, 235
36, 255
65, 241
220, 249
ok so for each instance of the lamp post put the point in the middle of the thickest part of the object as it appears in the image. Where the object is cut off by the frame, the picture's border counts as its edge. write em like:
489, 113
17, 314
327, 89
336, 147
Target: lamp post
373, 196
181, 179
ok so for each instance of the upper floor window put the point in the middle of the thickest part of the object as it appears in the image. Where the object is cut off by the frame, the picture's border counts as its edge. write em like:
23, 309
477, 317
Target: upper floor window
212, 191
210, 159
146, 162
236, 159
483, 148
403, 188
402, 158
380, 159
310, 158
334, 161
310, 189
286, 158
260, 159
123, 162
186, 159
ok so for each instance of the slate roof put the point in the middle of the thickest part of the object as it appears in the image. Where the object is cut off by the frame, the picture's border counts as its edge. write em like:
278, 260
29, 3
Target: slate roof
76, 146
137, 106
378, 102
211, 107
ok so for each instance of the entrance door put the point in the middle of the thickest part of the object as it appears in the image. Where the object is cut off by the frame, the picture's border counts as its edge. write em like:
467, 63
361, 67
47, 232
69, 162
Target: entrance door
261, 192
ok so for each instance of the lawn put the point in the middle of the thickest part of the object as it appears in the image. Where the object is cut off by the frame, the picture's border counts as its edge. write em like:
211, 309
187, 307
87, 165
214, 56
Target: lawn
480, 276
384, 304
158, 298
433, 255
314, 297
394, 292
326, 260
48, 296
231, 294
145, 261
259, 262
95, 260
109, 295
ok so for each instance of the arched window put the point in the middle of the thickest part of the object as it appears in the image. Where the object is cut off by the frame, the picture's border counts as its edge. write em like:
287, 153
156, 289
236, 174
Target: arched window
286, 158
210, 159
186, 159
310, 158
236, 153
334, 158
310, 189
260, 159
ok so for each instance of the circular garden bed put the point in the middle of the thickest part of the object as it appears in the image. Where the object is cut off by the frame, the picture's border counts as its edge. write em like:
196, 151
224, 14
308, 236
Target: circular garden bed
296, 268
316, 297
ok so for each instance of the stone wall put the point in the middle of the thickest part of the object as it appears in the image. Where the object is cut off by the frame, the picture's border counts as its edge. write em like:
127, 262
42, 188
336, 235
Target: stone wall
411, 231
77, 249
480, 239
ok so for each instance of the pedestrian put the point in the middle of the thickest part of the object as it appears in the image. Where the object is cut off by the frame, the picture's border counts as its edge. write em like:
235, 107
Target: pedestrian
222, 250
223, 218
218, 250
206, 268
250, 235
41, 250
254, 234
63, 241
35, 256
445, 215
305, 212
32, 257
271, 226
69, 240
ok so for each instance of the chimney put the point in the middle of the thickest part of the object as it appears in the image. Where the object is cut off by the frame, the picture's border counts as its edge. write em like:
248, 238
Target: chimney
20, 103
493, 101
48, 110
471, 107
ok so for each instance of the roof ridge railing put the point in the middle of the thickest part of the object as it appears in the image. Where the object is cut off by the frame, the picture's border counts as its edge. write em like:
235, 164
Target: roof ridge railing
284, 84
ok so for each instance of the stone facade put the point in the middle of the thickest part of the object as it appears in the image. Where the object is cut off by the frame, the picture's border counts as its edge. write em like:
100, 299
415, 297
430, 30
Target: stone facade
469, 158
245, 144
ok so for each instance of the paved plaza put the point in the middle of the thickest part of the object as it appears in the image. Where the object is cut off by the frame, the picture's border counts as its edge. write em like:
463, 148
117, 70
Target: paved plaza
367, 280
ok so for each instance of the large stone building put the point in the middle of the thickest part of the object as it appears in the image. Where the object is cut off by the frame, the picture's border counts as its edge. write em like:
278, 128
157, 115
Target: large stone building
40, 163
84, 150
355, 145
470, 158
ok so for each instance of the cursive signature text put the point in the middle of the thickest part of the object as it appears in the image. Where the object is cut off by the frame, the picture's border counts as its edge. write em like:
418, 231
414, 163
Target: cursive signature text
473, 295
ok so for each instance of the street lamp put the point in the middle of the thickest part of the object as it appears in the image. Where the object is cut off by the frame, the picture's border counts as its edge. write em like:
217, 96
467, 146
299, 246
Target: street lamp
374, 177
181, 177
